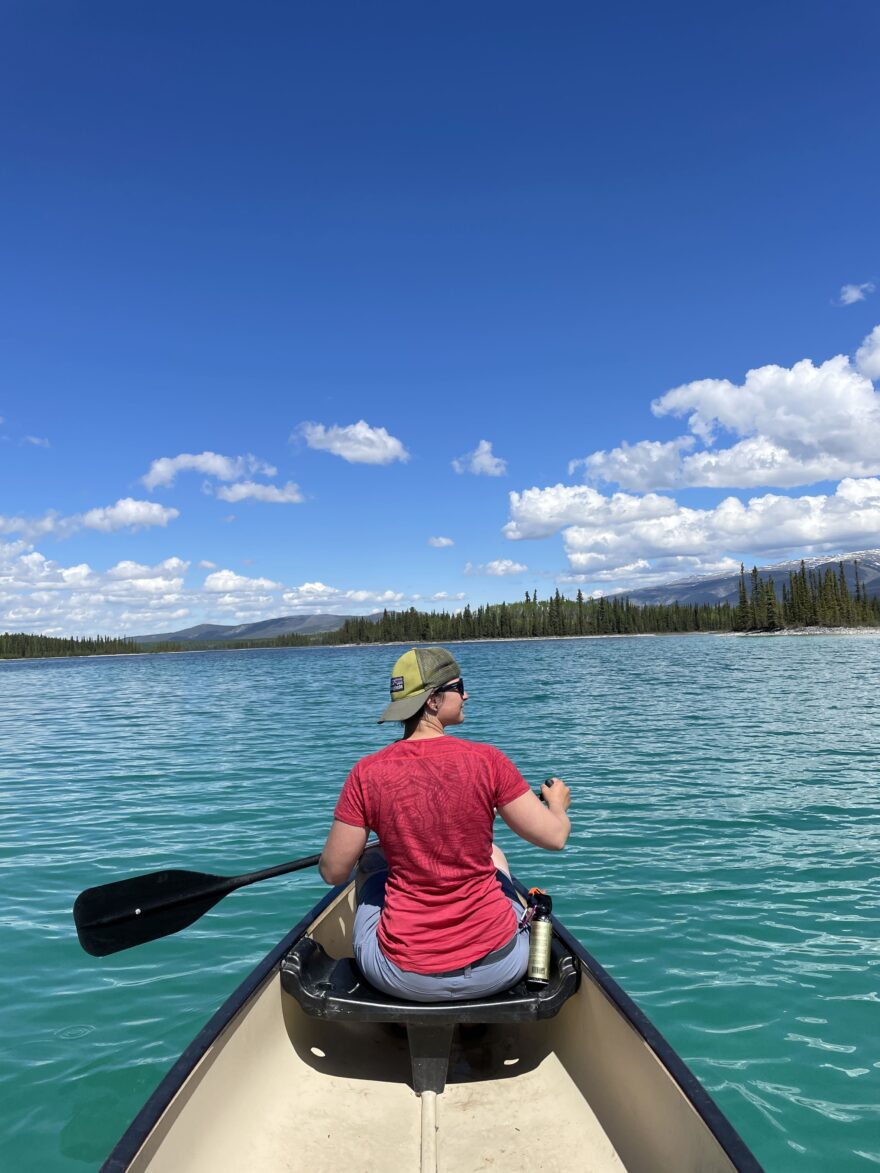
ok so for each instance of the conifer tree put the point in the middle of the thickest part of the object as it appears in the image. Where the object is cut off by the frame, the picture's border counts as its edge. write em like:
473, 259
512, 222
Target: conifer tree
743, 611
759, 609
775, 616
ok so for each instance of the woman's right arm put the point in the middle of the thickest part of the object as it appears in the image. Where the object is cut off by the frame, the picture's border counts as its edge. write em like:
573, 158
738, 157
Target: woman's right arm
348, 832
344, 847
545, 826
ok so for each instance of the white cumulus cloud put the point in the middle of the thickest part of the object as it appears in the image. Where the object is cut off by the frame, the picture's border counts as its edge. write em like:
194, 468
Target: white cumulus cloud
357, 443
539, 513
868, 355
440, 543
32, 527
223, 468
644, 465
497, 569
850, 294
610, 534
224, 581
481, 462
128, 571
127, 513
642, 573
40, 595
289, 494
791, 426
248, 607
317, 596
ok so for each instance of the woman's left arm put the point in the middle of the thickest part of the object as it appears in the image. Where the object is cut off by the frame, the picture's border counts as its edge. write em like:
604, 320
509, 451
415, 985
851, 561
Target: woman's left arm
344, 847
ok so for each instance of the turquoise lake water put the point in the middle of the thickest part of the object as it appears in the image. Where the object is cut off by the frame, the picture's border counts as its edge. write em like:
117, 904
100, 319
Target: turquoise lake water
724, 863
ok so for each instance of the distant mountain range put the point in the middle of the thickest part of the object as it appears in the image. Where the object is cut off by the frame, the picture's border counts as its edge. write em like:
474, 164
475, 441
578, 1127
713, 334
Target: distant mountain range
704, 589
721, 587
266, 629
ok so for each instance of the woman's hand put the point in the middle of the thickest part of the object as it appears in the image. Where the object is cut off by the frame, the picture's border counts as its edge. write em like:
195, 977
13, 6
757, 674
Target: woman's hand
556, 794
545, 826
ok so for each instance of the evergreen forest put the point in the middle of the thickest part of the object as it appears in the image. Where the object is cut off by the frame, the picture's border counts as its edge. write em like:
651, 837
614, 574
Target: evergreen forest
808, 599
15, 646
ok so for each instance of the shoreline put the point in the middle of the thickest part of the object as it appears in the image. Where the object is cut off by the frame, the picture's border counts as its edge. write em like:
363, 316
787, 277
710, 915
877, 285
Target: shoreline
811, 631
492, 639
796, 632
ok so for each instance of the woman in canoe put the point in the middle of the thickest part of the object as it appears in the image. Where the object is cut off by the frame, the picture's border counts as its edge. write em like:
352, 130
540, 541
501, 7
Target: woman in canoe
444, 925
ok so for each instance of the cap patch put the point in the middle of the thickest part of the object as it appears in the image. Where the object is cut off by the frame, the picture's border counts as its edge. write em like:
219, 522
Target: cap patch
397, 684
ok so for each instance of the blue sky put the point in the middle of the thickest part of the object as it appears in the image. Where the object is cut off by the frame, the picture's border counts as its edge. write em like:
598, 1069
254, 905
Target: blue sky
309, 257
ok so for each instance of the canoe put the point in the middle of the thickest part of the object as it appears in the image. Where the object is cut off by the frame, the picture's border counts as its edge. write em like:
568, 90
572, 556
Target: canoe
305, 1067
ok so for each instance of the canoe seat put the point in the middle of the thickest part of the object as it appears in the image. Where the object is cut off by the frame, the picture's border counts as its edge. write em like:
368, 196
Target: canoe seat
326, 987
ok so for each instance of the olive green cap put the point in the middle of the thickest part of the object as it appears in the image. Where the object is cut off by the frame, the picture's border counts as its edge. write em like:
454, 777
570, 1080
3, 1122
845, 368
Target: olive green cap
414, 677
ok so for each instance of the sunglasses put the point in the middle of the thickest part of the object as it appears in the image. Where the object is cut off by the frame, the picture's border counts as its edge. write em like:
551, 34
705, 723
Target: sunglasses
456, 686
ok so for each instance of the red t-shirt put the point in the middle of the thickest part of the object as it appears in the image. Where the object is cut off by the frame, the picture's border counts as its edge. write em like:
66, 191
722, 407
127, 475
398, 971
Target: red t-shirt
432, 804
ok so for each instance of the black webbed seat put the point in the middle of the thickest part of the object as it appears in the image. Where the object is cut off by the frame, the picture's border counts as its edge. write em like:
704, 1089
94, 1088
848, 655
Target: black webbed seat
336, 989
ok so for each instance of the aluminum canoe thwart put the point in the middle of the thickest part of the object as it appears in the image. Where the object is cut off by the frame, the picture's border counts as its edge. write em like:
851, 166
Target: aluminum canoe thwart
305, 1067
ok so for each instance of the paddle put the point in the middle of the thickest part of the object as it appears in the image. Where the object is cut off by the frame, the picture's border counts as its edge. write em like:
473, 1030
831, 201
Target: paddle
131, 912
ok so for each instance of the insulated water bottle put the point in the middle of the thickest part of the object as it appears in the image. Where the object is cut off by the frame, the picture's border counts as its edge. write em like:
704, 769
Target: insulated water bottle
540, 938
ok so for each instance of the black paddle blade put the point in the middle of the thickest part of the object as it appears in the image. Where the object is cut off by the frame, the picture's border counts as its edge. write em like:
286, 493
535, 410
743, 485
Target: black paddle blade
131, 912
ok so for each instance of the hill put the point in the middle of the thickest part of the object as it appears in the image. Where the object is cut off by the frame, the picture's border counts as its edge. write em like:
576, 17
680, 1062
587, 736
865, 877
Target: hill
265, 629
723, 588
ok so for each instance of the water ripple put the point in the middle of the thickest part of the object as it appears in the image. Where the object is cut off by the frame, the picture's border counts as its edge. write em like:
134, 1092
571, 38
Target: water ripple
722, 865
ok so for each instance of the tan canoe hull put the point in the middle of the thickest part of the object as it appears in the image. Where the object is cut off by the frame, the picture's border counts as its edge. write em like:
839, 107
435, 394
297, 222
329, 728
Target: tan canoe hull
267, 1088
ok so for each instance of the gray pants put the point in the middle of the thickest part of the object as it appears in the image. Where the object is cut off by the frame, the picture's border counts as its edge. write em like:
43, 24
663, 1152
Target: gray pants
498, 970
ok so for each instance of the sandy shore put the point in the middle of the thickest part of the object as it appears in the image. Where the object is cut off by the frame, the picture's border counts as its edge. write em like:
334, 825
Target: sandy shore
814, 631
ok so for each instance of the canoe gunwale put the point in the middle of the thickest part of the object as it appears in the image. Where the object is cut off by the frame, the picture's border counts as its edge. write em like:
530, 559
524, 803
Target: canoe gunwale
151, 1113
703, 1104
